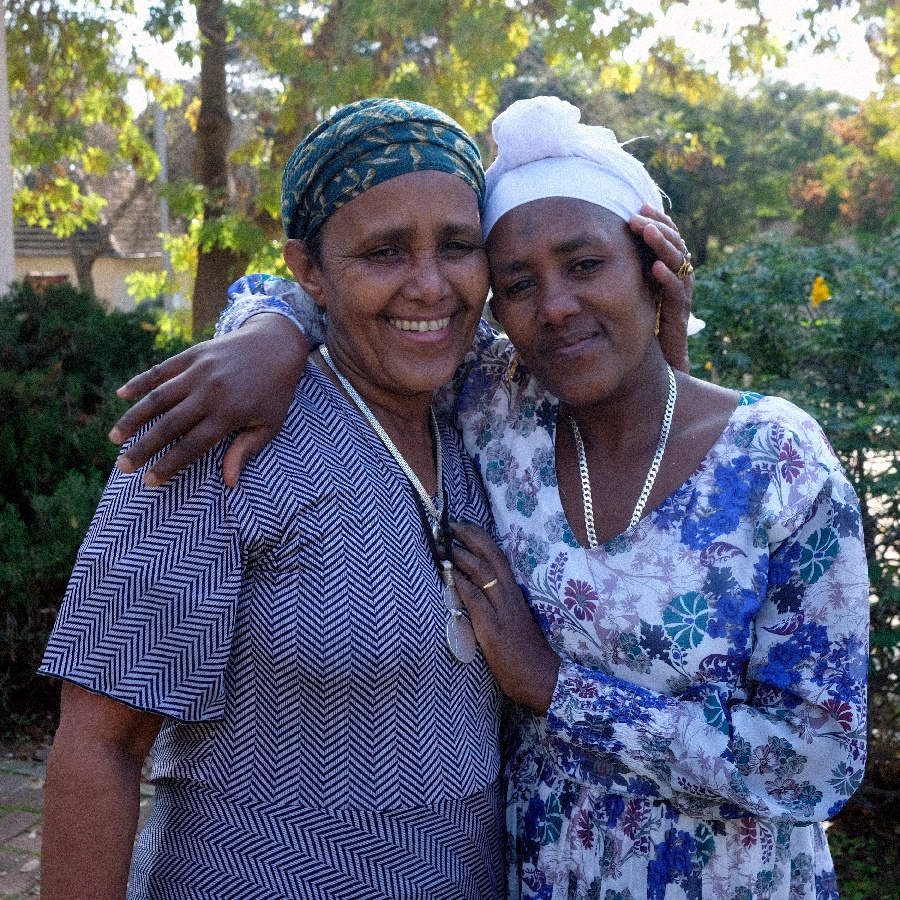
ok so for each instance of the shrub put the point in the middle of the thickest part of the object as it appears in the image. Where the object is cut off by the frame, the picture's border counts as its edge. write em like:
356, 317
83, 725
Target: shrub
61, 359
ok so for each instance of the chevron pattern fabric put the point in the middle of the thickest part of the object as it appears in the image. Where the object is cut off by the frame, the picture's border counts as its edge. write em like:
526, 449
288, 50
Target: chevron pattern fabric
446, 851
320, 740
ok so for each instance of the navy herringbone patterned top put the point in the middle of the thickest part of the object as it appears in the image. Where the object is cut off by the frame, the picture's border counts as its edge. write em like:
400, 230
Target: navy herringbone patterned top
320, 740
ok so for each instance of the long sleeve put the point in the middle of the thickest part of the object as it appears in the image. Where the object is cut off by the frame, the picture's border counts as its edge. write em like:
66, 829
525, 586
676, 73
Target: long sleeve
255, 294
775, 728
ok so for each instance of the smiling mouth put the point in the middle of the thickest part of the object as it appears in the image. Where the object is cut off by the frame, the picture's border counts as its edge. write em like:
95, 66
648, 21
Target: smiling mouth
421, 325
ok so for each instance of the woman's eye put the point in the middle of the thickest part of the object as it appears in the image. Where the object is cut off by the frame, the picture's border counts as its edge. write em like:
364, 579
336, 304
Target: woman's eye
382, 254
517, 288
460, 248
586, 266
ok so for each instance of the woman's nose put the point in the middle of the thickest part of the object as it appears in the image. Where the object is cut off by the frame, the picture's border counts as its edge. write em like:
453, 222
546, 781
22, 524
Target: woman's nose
556, 303
426, 278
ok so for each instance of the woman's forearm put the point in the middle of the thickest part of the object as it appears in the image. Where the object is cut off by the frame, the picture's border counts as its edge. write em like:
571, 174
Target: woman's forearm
91, 812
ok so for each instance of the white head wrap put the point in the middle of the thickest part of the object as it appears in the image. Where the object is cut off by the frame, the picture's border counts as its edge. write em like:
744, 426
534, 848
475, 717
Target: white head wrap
543, 150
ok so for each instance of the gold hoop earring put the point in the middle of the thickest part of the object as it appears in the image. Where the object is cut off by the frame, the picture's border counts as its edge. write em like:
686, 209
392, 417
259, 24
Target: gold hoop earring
512, 368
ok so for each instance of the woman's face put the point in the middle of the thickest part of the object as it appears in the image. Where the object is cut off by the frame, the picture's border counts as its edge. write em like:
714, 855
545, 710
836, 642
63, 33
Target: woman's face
403, 276
568, 288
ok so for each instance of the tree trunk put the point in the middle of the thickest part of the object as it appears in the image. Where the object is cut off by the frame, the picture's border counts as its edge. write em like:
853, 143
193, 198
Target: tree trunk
85, 254
218, 266
83, 261
7, 258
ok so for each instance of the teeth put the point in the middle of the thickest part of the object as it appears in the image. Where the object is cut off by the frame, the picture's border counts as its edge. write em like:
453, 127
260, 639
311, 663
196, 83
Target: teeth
432, 325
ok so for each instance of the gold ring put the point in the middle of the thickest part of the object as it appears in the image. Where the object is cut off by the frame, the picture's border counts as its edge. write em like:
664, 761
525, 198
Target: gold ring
489, 585
686, 267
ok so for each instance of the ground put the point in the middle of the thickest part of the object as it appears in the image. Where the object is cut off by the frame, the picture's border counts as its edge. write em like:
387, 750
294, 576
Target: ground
22, 764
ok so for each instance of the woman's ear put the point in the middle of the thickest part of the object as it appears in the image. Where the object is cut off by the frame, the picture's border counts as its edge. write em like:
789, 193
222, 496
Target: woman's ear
305, 269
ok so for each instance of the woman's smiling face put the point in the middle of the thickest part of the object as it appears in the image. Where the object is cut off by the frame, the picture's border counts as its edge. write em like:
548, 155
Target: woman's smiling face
569, 290
402, 274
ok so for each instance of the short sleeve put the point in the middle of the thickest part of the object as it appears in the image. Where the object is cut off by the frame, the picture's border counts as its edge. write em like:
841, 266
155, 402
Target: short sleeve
149, 612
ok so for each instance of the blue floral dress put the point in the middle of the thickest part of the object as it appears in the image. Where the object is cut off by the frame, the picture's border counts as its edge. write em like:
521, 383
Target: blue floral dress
710, 709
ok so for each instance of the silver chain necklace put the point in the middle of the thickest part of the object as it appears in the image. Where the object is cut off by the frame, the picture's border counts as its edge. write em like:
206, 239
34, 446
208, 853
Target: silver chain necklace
586, 495
433, 505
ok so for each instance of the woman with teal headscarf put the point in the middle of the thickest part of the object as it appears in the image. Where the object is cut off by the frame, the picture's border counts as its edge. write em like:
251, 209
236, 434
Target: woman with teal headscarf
321, 721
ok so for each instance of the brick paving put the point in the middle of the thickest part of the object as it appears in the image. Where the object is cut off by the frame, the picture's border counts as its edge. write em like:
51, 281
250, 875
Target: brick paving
21, 818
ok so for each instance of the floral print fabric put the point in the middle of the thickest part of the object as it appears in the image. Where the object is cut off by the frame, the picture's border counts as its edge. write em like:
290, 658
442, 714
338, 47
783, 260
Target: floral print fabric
710, 710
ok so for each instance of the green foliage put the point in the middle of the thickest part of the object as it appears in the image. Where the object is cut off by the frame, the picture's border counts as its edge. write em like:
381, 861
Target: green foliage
61, 359
821, 326
862, 858
857, 184
64, 77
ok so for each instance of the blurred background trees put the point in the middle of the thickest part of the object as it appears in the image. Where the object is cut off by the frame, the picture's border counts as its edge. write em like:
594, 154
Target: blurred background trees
735, 153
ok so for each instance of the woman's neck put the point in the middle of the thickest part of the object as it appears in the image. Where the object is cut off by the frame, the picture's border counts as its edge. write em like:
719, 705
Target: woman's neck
405, 418
629, 418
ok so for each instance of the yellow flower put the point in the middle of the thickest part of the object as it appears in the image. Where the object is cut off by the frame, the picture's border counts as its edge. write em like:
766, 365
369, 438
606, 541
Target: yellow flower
819, 293
708, 365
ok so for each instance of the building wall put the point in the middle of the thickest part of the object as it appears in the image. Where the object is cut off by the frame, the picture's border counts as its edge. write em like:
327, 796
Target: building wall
109, 274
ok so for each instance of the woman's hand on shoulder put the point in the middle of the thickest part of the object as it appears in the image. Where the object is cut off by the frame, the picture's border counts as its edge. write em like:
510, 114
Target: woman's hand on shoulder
662, 236
512, 641
244, 381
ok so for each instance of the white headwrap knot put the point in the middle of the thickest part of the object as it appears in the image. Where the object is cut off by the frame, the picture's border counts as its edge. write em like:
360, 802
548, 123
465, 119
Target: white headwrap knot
544, 151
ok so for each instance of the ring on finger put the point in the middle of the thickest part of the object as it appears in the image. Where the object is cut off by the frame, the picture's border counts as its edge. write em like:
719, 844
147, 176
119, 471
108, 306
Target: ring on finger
490, 584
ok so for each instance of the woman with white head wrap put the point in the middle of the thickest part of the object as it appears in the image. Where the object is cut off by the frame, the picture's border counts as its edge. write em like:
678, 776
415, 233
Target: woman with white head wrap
544, 151
696, 693
705, 702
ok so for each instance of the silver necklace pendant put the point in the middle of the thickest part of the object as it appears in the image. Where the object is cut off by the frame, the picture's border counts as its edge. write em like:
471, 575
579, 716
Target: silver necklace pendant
460, 635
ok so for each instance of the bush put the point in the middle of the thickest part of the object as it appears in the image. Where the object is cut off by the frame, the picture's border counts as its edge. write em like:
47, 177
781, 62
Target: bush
821, 326
61, 359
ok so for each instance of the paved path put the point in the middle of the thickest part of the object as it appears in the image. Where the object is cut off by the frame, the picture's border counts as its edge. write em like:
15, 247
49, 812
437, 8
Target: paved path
21, 818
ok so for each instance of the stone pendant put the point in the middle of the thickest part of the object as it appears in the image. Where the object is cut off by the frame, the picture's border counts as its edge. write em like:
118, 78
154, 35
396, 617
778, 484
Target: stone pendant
460, 634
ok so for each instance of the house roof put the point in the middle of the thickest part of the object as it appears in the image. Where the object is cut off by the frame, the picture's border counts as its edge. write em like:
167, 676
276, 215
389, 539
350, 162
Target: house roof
31, 240
135, 234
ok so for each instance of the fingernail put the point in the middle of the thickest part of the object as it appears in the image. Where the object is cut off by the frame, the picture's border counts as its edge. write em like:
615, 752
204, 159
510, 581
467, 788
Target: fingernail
151, 479
116, 436
124, 464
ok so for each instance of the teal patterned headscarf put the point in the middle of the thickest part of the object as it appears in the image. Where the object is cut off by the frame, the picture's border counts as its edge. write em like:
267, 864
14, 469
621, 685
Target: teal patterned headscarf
363, 144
